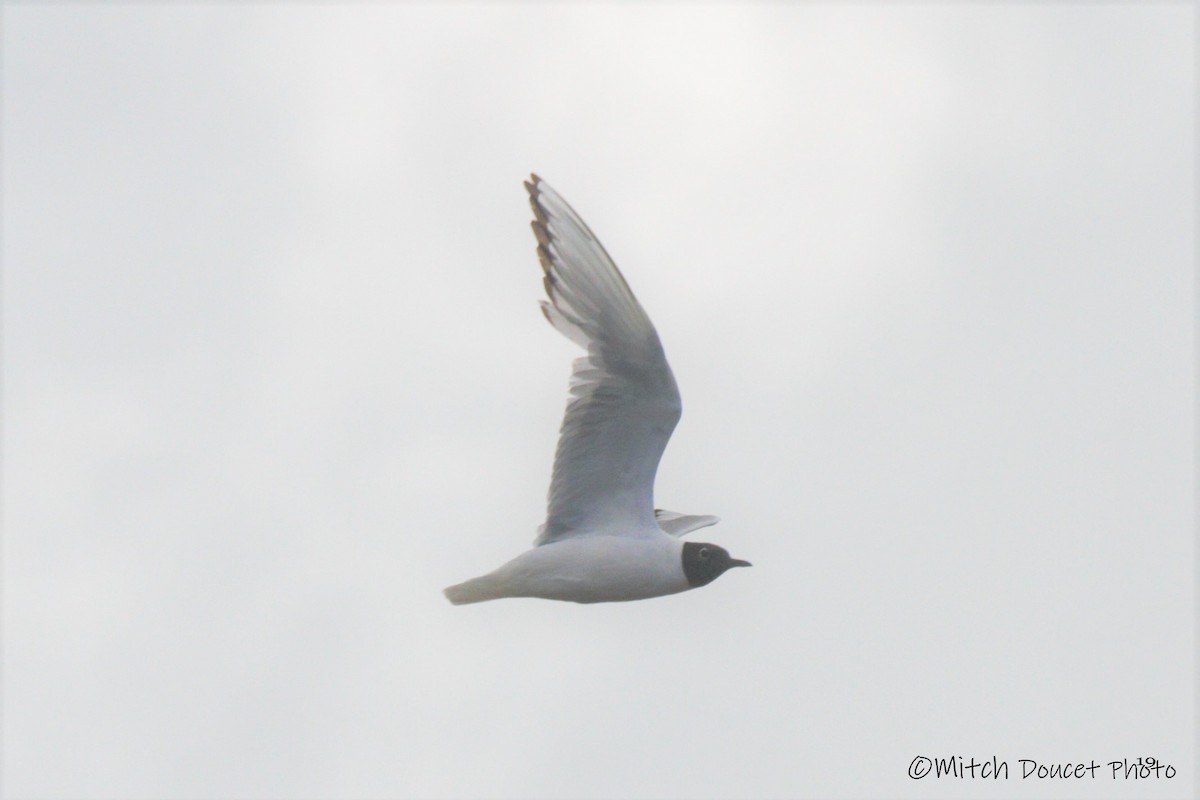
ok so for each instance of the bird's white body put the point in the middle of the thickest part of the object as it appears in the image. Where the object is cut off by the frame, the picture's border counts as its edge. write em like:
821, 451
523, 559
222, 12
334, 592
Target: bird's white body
585, 569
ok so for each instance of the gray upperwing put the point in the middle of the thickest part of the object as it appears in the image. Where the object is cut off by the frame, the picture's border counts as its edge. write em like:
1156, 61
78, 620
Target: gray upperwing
623, 402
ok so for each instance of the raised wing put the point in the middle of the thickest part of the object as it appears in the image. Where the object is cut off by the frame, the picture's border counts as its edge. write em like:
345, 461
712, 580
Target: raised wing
623, 400
678, 524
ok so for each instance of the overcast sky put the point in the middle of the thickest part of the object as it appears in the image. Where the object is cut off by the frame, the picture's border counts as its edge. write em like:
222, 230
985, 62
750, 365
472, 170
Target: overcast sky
274, 375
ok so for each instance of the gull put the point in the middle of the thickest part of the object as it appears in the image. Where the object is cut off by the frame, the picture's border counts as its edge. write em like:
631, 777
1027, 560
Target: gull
603, 540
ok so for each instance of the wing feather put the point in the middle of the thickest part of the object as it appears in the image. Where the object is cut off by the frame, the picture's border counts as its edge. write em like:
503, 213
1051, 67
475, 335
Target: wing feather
678, 524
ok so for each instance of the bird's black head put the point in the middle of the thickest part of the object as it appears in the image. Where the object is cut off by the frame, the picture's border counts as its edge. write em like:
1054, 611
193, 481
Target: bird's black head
704, 563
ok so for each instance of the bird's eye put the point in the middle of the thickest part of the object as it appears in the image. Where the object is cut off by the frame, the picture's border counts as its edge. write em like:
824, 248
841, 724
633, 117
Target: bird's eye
704, 552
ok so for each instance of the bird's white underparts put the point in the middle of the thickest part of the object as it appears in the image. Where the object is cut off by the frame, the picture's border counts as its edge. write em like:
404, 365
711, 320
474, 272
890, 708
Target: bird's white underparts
603, 540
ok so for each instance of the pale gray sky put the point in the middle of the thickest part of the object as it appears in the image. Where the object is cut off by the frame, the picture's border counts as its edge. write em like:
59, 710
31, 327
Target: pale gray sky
274, 374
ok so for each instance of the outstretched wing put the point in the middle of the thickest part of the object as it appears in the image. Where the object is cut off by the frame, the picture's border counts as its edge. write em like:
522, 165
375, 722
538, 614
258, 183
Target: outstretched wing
623, 400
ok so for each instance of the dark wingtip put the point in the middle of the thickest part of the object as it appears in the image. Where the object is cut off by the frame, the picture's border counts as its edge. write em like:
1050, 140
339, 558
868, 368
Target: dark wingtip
544, 259
539, 213
539, 231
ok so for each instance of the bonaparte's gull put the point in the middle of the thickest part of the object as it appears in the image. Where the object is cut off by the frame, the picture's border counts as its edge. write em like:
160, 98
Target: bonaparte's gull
603, 540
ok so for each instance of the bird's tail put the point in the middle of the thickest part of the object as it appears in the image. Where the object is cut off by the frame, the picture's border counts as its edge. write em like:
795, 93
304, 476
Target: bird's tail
475, 590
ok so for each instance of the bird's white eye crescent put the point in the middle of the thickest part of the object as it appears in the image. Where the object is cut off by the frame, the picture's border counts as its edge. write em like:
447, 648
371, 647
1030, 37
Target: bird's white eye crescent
704, 552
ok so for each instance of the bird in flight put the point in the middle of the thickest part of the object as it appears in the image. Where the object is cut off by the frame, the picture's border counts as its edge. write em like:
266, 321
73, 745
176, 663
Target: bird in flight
603, 540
